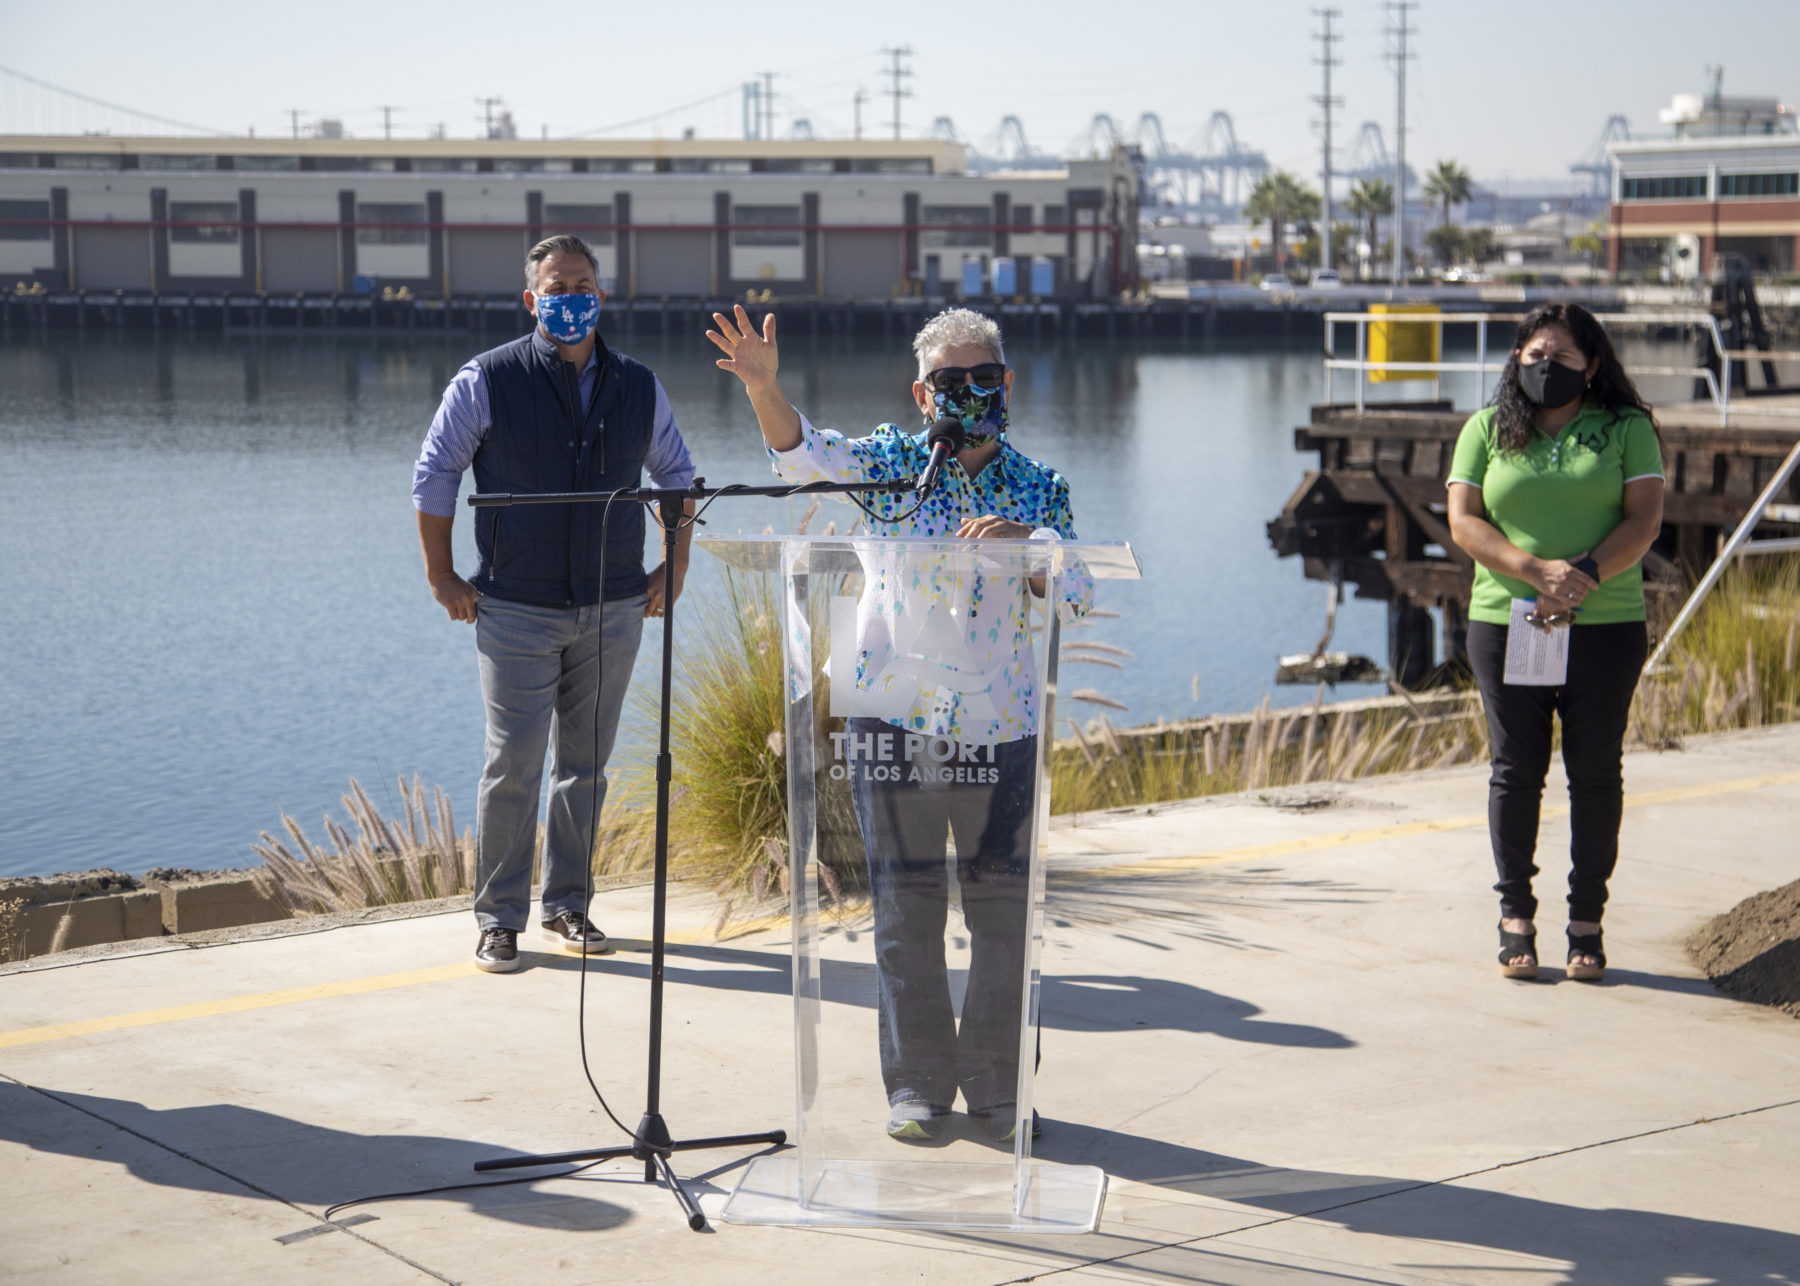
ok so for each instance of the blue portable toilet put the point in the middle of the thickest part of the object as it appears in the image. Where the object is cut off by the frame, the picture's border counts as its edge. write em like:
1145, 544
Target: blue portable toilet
971, 278
1006, 277
1043, 277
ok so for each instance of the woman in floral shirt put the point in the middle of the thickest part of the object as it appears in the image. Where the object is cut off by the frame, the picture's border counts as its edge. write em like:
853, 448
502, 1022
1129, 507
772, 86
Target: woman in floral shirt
986, 719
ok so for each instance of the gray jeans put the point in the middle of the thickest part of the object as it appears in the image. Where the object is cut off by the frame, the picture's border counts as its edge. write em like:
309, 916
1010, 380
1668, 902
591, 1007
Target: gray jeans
538, 677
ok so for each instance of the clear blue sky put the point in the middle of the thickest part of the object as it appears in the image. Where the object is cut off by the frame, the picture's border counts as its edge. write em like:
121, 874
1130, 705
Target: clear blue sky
1513, 91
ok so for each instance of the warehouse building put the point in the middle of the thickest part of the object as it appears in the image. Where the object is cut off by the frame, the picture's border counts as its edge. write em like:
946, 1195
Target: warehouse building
693, 218
1727, 182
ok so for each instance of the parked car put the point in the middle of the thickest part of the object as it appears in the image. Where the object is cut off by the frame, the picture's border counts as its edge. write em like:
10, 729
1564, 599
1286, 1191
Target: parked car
1327, 279
1276, 281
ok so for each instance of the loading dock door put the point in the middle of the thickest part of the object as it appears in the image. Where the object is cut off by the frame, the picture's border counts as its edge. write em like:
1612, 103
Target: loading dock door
300, 259
864, 264
487, 263
677, 262
112, 259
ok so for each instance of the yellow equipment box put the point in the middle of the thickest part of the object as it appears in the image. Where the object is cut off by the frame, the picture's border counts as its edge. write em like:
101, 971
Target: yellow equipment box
1404, 341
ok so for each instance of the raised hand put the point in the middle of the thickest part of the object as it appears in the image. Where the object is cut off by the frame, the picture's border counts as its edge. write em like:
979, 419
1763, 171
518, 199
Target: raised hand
753, 358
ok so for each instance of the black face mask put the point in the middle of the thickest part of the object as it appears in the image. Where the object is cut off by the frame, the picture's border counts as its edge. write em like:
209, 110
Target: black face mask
1550, 383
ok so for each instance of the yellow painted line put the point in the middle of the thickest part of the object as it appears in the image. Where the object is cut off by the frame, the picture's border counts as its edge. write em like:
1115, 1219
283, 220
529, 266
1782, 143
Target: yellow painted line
1375, 834
233, 1005
1252, 852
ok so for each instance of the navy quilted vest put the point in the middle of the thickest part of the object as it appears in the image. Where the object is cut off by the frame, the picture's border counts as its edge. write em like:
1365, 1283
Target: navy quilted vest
540, 440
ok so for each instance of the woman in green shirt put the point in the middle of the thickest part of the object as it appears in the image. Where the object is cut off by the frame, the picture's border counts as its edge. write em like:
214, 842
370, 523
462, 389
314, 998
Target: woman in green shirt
1556, 492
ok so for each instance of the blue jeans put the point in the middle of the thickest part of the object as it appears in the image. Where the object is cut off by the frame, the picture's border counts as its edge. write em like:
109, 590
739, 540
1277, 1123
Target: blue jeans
924, 1055
539, 669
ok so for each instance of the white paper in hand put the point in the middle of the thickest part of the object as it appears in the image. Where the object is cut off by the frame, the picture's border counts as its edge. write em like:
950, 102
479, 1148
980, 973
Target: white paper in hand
1535, 657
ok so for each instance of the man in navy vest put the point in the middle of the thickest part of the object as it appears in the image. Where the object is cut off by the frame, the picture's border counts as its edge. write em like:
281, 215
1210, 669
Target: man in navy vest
559, 595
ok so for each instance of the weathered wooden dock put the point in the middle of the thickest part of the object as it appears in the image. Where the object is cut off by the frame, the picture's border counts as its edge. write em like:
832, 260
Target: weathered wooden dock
1372, 515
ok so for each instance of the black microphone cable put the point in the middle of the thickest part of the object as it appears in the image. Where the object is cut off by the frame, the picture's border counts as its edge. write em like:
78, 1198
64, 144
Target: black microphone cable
593, 838
581, 993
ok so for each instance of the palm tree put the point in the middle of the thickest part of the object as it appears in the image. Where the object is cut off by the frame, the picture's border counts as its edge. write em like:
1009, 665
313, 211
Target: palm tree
1280, 198
1370, 199
1448, 182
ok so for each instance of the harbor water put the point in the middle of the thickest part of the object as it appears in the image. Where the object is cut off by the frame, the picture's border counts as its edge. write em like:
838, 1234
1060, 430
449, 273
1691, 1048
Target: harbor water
214, 608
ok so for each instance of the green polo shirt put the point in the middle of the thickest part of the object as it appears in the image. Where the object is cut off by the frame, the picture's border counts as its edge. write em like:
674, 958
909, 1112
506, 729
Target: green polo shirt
1557, 498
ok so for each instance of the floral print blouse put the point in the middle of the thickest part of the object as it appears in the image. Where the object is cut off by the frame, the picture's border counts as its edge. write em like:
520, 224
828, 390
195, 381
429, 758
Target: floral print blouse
941, 641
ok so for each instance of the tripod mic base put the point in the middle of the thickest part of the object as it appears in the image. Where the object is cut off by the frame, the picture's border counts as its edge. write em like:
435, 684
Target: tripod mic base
653, 1148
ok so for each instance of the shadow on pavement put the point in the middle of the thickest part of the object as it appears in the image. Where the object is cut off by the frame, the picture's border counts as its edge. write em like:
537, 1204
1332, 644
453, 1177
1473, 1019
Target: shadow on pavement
241, 1151
1085, 1002
1596, 1242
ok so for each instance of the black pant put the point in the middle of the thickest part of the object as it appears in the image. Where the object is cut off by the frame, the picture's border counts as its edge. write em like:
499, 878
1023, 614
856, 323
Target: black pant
1595, 704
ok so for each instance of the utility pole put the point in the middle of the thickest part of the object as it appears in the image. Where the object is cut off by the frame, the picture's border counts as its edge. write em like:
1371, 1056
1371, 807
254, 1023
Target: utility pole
387, 122
1327, 38
488, 105
897, 73
1402, 28
860, 98
768, 103
295, 113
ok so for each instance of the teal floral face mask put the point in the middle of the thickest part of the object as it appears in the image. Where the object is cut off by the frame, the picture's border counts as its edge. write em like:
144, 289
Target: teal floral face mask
982, 412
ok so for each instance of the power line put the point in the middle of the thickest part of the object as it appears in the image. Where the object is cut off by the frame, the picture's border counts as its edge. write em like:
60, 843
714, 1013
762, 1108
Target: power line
898, 73
654, 116
113, 107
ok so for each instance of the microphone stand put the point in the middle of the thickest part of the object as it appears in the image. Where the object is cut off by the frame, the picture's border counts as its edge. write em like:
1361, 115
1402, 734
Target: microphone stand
652, 1143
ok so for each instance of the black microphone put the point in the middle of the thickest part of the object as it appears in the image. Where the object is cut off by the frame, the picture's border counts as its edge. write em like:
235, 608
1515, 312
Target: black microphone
945, 438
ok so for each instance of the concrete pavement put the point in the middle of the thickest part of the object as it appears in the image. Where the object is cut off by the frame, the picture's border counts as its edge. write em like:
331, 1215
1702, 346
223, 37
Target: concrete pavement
1273, 1019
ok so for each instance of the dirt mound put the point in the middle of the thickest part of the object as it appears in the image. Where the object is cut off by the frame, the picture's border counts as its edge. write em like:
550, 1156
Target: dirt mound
1752, 952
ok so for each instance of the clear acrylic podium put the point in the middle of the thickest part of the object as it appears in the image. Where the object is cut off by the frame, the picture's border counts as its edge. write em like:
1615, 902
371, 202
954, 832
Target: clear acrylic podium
921, 980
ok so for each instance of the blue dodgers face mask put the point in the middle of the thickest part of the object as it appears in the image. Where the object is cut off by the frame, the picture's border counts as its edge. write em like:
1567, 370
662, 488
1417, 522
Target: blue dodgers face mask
568, 319
982, 412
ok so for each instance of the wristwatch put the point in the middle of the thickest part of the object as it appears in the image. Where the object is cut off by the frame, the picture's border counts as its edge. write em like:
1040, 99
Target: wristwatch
1588, 568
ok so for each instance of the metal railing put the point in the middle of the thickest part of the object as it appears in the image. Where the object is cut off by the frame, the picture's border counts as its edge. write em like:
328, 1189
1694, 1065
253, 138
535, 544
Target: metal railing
1735, 549
1718, 388
1750, 356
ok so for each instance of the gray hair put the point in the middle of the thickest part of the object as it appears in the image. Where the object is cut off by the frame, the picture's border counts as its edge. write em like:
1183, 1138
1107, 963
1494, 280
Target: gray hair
562, 243
956, 328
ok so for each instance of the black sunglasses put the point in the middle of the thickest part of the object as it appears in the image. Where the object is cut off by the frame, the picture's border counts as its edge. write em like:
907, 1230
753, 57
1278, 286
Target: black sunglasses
946, 378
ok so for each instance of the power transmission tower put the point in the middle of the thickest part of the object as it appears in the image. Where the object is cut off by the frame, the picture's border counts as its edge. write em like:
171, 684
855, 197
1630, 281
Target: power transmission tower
1327, 38
295, 113
387, 122
860, 98
1402, 28
897, 73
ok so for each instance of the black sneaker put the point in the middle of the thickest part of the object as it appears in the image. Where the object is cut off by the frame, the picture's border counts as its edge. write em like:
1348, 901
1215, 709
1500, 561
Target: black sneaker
498, 951
577, 934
